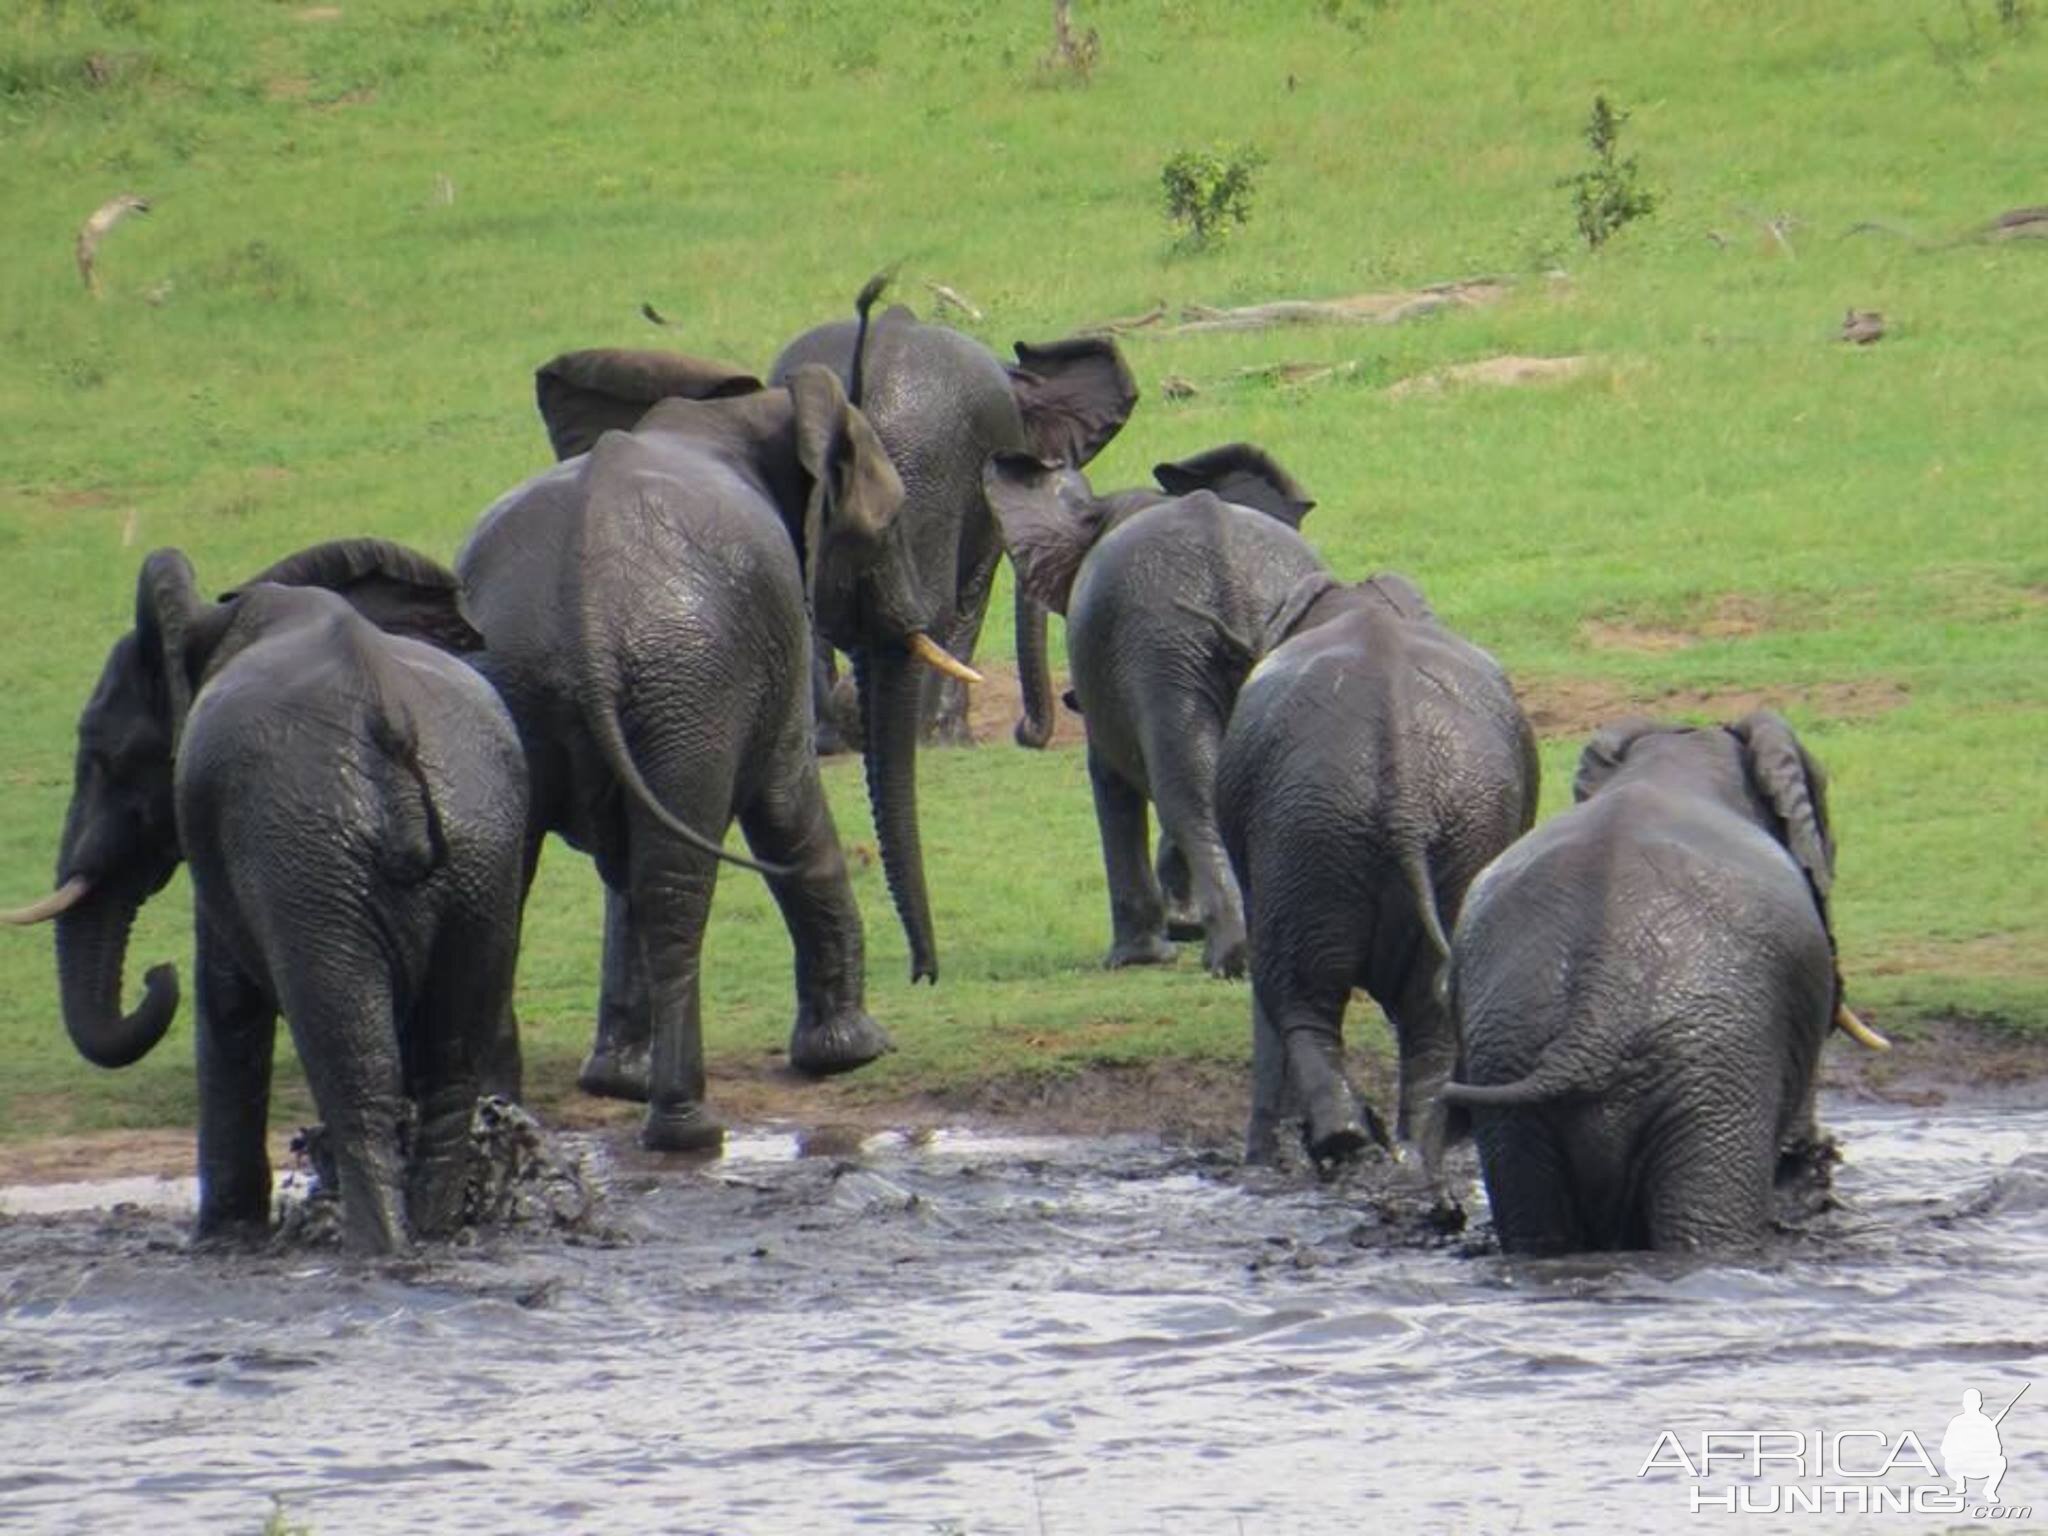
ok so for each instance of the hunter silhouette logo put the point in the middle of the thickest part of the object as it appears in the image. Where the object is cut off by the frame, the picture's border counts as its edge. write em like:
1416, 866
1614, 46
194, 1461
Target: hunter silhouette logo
1859, 1470
1971, 1447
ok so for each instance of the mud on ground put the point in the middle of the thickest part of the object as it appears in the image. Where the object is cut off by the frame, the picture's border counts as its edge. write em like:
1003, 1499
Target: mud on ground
1195, 1103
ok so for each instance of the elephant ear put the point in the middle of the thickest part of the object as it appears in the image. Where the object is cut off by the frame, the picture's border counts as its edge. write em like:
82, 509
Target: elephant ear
1286, 617
1074, 395
1607, 749
855, 496
399, 590
1049, 519
1796, 789
1242, 474
583, 395
1399, 594
167, 607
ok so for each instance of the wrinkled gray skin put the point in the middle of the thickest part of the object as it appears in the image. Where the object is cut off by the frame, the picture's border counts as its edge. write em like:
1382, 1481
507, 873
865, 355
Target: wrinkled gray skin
1374, 764
942, 403
644, 605
351, 804
1644, 985
1170, 598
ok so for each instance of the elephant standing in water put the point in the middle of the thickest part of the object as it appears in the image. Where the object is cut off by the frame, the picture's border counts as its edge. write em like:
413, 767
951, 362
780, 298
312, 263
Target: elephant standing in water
352, 805
1374, 764
1644, 985
647, 606
1168, 595
941, 404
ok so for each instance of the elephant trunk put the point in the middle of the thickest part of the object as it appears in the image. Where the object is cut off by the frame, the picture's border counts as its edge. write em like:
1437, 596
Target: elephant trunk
1034, 674
92, 948
891, 687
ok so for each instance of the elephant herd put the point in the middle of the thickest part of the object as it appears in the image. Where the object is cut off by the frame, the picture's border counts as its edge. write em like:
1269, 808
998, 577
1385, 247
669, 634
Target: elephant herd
358, 753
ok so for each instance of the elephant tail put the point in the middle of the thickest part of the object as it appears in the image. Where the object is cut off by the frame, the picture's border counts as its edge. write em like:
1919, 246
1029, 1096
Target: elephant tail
415, 844
1554, 1078
1415, 866
610, 734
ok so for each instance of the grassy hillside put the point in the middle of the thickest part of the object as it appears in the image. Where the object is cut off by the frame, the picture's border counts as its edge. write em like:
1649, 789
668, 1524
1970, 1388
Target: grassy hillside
370, 221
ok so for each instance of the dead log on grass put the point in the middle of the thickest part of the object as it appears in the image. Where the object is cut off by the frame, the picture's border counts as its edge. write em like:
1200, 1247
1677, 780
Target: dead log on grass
94, 229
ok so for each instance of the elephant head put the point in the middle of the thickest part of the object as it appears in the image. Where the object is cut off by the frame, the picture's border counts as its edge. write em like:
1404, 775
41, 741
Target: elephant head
839, 496
1051, 517
120, 841
1779, 786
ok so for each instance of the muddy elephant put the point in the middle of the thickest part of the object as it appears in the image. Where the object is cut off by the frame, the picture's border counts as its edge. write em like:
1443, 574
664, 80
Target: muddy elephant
1167, 595
646, 607
941, 404
1643, 986
352, 806
1375, 763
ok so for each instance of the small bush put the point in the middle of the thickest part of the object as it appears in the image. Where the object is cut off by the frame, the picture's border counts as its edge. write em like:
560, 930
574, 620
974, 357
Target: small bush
1208, 192
1606, 196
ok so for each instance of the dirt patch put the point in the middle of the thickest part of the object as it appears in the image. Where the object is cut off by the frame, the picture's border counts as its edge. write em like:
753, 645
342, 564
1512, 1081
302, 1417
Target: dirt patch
1730, 616
1995, 954
287, 88
1577, 706
1943, 1059
1508, 369
320, 13
994, 708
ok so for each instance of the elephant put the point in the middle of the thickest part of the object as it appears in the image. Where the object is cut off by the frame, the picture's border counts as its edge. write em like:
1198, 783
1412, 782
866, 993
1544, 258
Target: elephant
941, 404
1160, 589
351, 804
1374, 764
1643, 986
646, 607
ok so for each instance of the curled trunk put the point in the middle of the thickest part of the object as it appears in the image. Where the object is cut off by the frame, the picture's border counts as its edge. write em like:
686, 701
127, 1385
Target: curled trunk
92, 948
1034, 674
891, 690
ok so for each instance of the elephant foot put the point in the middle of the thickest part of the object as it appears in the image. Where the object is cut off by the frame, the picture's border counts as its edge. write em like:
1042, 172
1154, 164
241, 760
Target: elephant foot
1183, 921
1225, 957
687, 1127
840, 1044
614, 1074
1338, 1129
1150, 949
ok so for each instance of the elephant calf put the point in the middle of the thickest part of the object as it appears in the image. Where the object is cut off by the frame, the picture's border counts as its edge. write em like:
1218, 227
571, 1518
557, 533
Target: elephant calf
1644, 985
352, 804
1373, 766
1158, 590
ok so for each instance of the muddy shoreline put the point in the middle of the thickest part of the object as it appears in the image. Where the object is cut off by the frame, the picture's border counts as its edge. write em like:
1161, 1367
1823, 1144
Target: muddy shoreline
1196, 1103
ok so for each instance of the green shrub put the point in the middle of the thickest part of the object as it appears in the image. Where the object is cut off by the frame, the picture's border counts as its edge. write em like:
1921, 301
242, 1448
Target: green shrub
1606, 196
1209, 191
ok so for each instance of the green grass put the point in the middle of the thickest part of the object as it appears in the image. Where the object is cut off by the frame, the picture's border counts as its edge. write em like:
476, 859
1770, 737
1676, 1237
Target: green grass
368, 227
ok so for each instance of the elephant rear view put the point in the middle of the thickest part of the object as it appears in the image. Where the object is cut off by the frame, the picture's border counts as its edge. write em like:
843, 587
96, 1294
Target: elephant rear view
1644, 985
1373, 766
1168, 597
352, 805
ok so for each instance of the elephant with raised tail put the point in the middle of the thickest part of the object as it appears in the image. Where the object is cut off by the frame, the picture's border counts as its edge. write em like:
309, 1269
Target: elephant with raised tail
1375, 763
1643, 986
352, 805
1167, 595
646, 606
941, 404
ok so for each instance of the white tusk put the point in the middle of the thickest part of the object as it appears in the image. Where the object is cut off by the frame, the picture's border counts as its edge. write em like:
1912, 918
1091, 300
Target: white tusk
939, 659
1859, 1031
63, 899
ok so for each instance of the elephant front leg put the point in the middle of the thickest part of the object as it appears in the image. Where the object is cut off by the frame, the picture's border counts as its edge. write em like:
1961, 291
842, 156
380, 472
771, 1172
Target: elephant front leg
621, 1056
791, 824
1427, 1038
1137, 917
669, 904
237, 1039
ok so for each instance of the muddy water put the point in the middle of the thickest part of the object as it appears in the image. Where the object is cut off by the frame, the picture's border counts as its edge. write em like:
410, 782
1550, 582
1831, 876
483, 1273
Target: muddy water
1012, 1336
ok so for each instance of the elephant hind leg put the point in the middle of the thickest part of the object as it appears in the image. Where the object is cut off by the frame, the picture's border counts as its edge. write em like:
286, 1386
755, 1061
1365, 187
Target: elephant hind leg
451, 1035
347, 1037
1528, 1186
1707, 1182
1181, 745
1137, 916
237, 1040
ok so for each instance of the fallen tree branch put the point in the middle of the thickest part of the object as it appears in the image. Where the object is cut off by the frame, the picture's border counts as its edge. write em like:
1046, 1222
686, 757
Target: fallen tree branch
1127, 324
951, 299
90, 233
1359, 309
